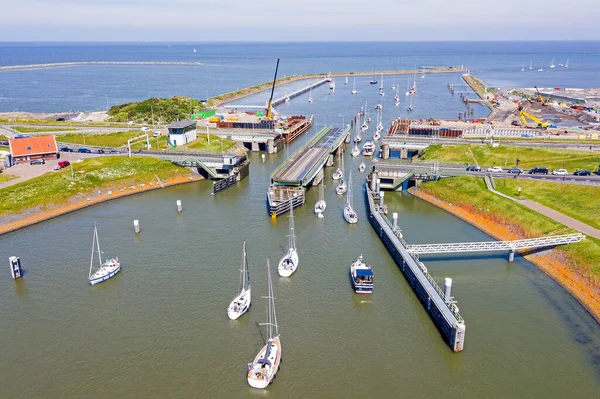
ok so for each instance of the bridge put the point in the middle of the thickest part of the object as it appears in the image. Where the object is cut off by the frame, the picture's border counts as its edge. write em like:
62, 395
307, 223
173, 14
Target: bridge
530, 243
303, 168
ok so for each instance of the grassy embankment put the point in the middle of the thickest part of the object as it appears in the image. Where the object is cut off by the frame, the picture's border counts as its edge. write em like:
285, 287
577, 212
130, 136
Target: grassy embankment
25, 129
4, 177
53, 122
470, 193
165, 110
111, 140
217, 144
505, 156
55, 188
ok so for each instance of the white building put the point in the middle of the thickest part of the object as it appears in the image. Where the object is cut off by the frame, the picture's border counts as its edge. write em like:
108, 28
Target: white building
182, 132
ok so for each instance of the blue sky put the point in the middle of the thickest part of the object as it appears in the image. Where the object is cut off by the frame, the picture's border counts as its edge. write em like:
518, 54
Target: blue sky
298, 20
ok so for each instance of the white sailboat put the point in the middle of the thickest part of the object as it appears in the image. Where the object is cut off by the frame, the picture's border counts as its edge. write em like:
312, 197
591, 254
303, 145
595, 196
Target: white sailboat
289, 262
407, 88
381, 84
266, 363
397, 98
321, 204
342, 186
379, 123
310, 100
523, 68
394, 84
105, 270
354, 91
241, 303
194, 50
552, 63
362, 167
337, 175
413, 89
567, 64
531, 65
410, 107
346, 82
355, 151
349, 215
540, 69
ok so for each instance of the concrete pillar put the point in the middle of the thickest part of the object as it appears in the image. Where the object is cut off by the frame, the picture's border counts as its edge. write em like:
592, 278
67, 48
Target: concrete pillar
447, 288
385, 149
511, 255
404, 153
395, 220
378, 186
318, 177
271, 146
179, 206
15, 267
136, 226
329, 161
254, 147
263, 157
374, 182
381, 195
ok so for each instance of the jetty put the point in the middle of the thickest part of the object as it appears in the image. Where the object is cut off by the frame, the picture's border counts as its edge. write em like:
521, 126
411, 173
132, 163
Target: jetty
81, 63
282, 99
437, 303
303, 168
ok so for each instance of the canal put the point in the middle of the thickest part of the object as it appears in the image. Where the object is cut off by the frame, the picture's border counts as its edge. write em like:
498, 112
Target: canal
160, 329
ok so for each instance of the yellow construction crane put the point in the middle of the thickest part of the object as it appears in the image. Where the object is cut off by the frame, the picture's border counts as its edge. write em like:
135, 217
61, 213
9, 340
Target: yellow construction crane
269, 114
539, 123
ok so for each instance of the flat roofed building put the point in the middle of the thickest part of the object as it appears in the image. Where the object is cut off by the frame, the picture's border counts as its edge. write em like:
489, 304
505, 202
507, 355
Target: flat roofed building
30, 148
182, 132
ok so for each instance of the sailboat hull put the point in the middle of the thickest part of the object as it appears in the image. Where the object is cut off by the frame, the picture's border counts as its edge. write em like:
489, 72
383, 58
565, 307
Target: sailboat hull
349, 215
320, 206
240, 304
259, 377
288, 264
104, 274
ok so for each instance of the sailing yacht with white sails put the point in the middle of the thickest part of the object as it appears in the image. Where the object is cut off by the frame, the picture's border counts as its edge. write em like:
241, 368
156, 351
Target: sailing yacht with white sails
105, 270
342, 185
242, 302
552, 63
321, 204
337, 175
349, 215
354, 91
266, 363
289, 262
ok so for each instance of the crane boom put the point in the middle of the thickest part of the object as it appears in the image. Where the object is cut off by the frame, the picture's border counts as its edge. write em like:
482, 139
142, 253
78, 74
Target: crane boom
269, 112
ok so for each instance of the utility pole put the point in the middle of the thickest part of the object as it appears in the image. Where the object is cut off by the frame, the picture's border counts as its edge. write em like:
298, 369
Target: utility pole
207, 133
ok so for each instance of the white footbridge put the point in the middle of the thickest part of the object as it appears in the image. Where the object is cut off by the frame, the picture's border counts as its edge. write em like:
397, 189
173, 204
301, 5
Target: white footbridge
510, 246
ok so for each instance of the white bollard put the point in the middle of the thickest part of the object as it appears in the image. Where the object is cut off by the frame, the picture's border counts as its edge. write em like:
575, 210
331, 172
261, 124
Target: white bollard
447, 288
179, 207
374, 182
377, 184
395, 220
381, 195
15, 267
136, 226
263, 157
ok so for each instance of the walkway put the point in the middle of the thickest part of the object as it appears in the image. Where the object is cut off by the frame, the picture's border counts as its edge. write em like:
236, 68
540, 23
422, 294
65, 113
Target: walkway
549, 212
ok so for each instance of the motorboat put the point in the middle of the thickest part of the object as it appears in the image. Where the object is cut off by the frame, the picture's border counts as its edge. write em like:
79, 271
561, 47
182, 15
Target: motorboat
361, 276
362, 167
368, 148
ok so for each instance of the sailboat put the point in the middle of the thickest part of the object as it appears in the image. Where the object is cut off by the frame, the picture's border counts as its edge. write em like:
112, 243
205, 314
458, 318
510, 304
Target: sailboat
373, 81
321, 204
342, 186
552, 63
379, 128
337, 175
394, 84
540, 68
105, 270
407, 88
362, 167
310, 100
194, 50
266, 363
241, 303
410, 107
346, 82
355, 151
413, 89
522, 67
289, 262
397, 98
381, 93
349, 215
354, 91
531, 65
567, 64
287, 99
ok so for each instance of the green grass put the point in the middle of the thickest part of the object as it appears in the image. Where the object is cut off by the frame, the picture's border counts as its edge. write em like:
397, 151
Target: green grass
579, 202
112, 140
57, 123
470, 192
93, 173
24, 129
2, 137
163, 109
201, 144
4, 177
505, 156
4, 147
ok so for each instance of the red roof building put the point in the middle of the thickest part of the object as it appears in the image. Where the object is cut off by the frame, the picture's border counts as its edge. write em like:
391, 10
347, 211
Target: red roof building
30, 148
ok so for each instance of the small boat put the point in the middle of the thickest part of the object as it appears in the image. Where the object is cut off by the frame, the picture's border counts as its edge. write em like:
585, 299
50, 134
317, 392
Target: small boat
354, 91
346, 82
364, 127
355, 151
310, 100
342, 187
362, 167
378, 106
266, 363
373, 81
349, 215
361, 276
194, 50
337, 175
423, 76
394, 85
381, 93
105, 270
242, 302
321, 204
332, 85
567, 64
287, 99
357, 139
289, 262
413, 89
531, 65
540, 69
552, 63
381, 85
410, 107
368, 148
407, 92
376, 135
523, 68
379, 123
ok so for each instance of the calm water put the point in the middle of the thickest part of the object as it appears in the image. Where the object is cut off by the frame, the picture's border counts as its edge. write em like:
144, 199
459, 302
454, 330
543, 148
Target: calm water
160, 329
231, 66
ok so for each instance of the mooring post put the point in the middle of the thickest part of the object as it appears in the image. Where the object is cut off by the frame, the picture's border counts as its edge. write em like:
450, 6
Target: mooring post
395, 221
447, 288
377, 185
136, 226
381, 194
374, 182
179, 207
511, 255
263, 157
15, 267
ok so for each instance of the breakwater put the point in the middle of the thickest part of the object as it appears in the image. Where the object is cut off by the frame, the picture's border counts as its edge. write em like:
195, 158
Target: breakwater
68, 64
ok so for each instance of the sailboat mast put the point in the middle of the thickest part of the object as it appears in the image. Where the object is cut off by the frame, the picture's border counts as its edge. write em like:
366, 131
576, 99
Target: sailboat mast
242, 284
92, 258
98, 246
292, 237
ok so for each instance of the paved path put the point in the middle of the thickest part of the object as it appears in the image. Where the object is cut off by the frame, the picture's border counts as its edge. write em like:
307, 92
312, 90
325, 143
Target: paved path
549, 212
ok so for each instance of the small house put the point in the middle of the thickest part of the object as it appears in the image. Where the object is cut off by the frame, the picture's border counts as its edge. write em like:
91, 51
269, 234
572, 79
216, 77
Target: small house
30, 148
182, 132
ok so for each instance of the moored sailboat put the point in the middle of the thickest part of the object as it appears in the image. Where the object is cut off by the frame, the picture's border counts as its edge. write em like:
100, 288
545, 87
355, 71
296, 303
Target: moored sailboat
289, 262
242, 302
105, 270
349, 215
266, 363
321, 204
354, 91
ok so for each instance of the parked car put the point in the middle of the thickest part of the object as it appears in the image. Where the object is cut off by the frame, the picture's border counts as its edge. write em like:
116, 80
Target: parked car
84, 150
157, 133
37, 162
22, 136
473, 168
66, 149
100, 151
542, 171
515, 170
495, 169
560, 172
63, 164
60, 119
145, 129
131, 123
115, 151
582, 172
515, 123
